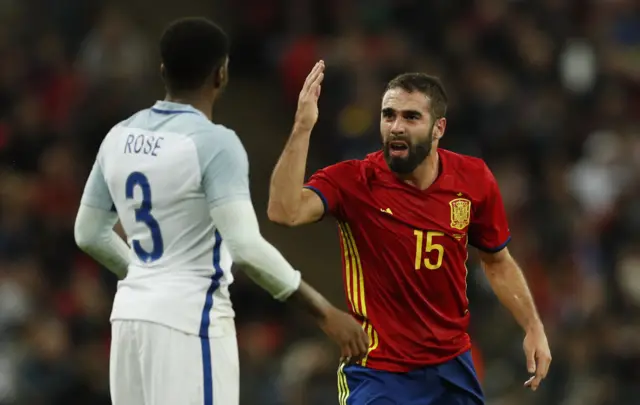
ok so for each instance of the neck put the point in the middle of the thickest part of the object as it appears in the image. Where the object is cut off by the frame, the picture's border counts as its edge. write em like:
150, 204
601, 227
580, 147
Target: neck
426, 173
195, 100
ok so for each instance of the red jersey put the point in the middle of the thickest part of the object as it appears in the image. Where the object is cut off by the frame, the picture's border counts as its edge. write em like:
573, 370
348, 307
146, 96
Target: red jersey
404, 252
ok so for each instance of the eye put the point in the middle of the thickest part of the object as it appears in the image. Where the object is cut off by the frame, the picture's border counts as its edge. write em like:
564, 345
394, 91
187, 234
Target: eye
387, 113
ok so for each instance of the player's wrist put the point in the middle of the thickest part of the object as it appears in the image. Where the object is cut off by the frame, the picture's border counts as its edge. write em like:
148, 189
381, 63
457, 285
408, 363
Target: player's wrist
302, 127
312, 301
534, 327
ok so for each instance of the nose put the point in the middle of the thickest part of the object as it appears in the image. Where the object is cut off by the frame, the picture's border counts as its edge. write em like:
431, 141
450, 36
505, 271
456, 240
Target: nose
397, 128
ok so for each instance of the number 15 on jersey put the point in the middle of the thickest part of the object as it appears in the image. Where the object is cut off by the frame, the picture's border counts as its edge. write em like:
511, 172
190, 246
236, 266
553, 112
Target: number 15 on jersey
426, 244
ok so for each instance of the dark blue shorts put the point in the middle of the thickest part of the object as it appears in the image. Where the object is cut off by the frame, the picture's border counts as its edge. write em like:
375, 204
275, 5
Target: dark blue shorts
452, 383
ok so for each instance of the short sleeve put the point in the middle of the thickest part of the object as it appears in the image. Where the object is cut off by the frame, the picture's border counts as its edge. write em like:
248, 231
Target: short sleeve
96, 192
328, 184
489, 229
224, 165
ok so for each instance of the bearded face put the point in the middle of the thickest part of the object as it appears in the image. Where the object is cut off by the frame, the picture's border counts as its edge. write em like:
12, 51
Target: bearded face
407, 129
403, 154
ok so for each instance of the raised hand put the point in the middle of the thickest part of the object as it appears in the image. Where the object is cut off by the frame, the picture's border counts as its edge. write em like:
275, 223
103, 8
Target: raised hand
307, 113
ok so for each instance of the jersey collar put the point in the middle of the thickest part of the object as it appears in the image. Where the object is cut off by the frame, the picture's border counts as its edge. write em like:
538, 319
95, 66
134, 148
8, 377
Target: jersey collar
171, 108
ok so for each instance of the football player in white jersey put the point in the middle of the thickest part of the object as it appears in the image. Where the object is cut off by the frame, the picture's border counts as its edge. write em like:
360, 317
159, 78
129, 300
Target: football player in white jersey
179, 185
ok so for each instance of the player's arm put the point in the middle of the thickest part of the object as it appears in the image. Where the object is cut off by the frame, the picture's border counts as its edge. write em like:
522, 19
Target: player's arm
289, 203
225, 181
510, 286
94, 224
489, 232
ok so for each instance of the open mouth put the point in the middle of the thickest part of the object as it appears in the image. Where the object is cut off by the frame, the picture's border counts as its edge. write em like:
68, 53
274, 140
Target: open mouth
398, 148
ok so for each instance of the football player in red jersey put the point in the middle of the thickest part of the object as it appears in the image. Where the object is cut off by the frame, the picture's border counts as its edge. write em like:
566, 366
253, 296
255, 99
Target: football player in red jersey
406, 215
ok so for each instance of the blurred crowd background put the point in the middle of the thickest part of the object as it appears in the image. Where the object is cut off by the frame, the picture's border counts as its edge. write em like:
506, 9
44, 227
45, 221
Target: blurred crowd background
546, 91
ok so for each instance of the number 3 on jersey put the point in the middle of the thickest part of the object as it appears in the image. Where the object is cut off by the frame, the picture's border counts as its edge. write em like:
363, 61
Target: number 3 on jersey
143, 214
428, 247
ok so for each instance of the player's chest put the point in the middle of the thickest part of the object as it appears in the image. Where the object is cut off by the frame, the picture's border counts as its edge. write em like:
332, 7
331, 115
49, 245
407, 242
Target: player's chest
440, 218
446, 210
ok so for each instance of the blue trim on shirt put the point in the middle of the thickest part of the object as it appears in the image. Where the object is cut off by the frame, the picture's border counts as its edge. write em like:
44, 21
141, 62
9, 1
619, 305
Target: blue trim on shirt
170, 112
325, 203
207, 371
493, 250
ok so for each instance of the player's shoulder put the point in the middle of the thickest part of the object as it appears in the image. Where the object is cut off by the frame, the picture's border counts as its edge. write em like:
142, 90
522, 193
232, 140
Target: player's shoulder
177, 119
111, 139
343, 167
464, 171
132, 121
209, 132
138, 121
346, 170
460, 161
218, 147
370, 161
468, 167
211, 139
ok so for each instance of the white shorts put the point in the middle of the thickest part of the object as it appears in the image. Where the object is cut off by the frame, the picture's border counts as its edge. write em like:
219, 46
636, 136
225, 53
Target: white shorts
152, 364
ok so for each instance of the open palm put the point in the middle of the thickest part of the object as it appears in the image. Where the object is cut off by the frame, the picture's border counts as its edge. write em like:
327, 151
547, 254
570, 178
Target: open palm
307, 114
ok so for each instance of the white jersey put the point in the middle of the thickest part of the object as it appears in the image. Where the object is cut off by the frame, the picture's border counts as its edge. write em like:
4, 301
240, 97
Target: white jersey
162, 170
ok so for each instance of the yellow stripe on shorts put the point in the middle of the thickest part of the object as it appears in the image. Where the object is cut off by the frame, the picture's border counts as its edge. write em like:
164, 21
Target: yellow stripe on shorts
343, 387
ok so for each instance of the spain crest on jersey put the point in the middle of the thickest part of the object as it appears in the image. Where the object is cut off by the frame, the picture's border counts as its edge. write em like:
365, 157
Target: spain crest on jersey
460, 213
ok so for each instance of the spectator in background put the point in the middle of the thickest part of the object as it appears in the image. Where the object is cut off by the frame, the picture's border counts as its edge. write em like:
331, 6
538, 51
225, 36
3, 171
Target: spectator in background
115, 51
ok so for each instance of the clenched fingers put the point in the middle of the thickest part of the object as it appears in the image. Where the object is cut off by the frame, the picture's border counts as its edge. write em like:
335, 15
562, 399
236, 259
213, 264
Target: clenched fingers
360, 346
356, 347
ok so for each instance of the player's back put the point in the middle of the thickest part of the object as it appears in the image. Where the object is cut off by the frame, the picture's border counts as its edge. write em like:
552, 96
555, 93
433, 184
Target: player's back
179, 271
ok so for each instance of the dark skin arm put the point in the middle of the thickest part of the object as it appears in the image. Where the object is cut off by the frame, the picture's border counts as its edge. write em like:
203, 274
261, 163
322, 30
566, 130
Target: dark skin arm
338, 325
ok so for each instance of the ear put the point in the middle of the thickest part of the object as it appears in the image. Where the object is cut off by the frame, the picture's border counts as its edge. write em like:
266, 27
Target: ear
218, 77
439, 128
221, 74
163, 71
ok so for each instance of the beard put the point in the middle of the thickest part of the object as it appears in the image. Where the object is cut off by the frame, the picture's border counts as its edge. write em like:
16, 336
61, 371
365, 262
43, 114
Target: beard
416, 154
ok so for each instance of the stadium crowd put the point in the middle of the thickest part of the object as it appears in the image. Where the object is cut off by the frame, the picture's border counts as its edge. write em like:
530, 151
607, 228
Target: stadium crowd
547, 92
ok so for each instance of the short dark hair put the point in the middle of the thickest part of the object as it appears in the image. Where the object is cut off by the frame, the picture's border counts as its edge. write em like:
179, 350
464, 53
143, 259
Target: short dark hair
431, 86
191, 49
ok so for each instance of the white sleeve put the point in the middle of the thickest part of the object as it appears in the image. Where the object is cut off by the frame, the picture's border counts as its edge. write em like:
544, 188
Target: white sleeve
238, 226
94, 234
96, 193
224, 166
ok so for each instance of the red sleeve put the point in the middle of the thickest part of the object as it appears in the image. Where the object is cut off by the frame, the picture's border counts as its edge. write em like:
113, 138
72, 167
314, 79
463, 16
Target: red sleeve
489, 229
328, 183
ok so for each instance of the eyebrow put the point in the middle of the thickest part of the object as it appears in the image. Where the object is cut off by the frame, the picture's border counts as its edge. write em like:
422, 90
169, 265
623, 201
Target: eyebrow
388, 110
